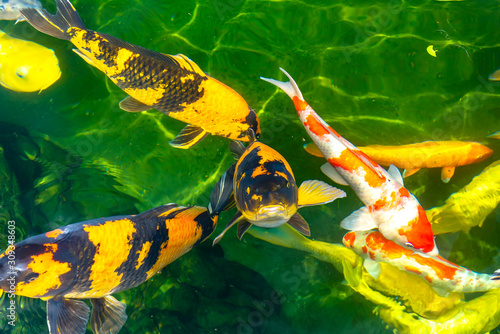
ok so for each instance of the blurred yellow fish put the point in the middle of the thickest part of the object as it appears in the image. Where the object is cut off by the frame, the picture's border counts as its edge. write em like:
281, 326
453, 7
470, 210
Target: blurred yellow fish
26, 66
469, 206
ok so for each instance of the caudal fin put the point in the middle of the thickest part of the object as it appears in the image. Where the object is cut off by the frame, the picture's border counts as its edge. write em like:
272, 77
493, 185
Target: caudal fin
54, 25
289, 87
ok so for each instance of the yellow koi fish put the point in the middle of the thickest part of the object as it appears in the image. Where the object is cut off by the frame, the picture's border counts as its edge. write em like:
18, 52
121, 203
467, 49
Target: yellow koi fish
469, 206
430, 154
174, 85
96, 258
26, 66
265, 191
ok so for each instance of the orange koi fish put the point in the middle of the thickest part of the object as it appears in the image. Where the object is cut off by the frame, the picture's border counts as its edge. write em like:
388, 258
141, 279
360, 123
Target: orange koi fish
262, 186
389, 205
429, 154
443, 275
174, 85
96, 258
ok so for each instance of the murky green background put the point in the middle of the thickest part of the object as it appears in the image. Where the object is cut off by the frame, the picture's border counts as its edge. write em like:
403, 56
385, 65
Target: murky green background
70, 154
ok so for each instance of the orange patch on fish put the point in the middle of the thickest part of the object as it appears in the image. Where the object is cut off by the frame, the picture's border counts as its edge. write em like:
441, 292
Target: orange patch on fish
111, 238
404, 192
300, 105
316, 126
142, 254
413, 270
418, 232
53, 234
350, 162
182, 229
42, 264
349, 239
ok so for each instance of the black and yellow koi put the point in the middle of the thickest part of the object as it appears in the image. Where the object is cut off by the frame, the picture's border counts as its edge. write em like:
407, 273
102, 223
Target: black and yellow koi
174, 85
96, 258
262, 186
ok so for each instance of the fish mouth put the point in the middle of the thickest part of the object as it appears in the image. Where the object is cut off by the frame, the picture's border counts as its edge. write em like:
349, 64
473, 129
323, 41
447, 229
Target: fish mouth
270, 216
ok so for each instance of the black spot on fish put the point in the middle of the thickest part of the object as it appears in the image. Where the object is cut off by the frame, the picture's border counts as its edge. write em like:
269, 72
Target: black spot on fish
206, 223
252, 121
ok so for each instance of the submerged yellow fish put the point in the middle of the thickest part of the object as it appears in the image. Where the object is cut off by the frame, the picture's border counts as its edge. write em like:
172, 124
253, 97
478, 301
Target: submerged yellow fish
26, 66
174, 85
403, 300
469, 206
430, 154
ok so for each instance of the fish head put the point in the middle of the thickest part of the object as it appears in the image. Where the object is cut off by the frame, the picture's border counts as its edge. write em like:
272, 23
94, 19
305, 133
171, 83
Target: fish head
32, 68
267, 200
30, 269
418, 234
481, 152
349, 239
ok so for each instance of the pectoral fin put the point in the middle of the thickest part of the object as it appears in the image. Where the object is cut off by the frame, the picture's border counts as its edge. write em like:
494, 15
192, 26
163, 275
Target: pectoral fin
410, 171
314, 192
132, 105
313, 149
333, 174
237, 148
243, 226
373, 268
188, 137
395, 173
84, 57
298, 223
65, 316
447, 173
233, 221
222, 197
108, 315
359, 220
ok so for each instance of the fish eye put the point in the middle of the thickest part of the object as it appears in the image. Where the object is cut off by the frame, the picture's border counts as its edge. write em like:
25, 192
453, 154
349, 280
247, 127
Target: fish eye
409, 245
21, 72
31, 277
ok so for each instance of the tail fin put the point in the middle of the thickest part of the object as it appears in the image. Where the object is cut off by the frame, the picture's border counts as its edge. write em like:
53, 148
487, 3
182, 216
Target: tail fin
54, 25
289, 87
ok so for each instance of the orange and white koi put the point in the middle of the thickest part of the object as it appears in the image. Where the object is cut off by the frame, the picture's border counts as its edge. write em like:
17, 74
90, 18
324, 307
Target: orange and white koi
429, 154
443, 275
390, 207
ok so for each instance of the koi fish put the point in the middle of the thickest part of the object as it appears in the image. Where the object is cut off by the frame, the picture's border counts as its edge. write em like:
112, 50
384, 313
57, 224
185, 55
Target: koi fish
469, 206
443, 275
265, 191
26, 66
96, 258
390, 207
9, 9
430, 154
174, 85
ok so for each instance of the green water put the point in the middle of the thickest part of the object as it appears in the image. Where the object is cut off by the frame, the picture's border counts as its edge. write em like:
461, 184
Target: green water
70, 154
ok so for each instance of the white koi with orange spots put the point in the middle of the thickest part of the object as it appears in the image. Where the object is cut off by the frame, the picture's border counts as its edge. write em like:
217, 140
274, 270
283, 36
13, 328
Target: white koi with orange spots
437, 271
389, 205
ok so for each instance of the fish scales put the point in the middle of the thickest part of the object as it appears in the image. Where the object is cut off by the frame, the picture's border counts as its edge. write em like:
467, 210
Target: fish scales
161, 84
